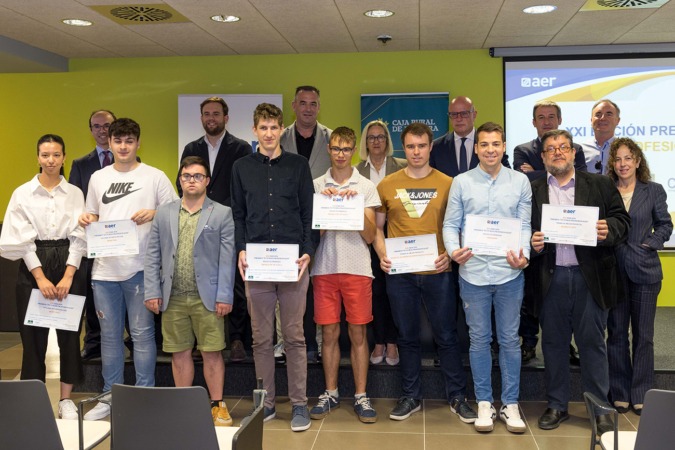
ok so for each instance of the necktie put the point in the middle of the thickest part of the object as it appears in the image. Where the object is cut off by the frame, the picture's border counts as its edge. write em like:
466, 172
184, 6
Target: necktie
106, 158
462, 157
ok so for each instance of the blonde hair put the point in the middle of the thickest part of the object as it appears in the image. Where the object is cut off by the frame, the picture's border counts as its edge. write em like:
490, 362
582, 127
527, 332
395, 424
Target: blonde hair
363, 147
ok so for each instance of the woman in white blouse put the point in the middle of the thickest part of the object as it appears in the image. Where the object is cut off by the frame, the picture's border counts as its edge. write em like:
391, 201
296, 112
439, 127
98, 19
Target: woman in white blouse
41, 229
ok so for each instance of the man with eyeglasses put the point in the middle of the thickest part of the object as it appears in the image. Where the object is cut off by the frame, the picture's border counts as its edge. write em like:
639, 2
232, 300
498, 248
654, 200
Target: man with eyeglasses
605, 117
80, 173
453, 152
527, 158
189, 277
573, 286
221, 149
342, 275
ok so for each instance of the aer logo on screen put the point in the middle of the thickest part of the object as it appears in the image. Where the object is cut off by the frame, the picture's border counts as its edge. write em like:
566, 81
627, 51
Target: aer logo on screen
536, 82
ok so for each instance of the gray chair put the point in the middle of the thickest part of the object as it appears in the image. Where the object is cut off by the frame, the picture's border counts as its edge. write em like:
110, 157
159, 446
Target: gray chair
655, 432
27, 421
170, 418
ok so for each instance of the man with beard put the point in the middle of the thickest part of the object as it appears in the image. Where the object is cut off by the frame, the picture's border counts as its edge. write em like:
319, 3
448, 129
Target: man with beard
221, 149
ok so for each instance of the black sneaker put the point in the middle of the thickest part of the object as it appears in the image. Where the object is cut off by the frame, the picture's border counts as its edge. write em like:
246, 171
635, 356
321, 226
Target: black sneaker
404, 408
463, 410
527, 353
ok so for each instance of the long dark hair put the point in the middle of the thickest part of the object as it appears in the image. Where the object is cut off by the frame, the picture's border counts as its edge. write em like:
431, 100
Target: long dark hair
52, 138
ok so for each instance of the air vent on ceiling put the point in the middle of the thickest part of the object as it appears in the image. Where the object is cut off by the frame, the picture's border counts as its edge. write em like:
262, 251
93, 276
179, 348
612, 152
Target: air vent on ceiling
605, 5
140, 14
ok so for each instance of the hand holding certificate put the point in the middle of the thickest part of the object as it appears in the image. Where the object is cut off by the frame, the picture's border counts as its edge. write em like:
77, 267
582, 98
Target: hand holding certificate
112, 238
412, 253
272, 262
492, 236
62, 315
338, 212
570, 224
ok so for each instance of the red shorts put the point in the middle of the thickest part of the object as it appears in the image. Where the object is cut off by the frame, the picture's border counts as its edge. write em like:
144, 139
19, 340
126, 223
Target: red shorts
331, 291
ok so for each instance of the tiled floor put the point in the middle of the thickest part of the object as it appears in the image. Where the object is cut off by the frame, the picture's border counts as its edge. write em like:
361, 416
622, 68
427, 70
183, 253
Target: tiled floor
435, 427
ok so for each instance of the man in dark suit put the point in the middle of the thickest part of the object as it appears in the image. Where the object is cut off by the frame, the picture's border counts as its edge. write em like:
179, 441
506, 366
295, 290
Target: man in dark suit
221, 149
546, 116
453, 152
574, 285
80, 172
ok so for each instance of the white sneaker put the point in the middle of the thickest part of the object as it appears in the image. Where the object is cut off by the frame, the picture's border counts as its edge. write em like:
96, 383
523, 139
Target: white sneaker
67, 409
98, 412
486, 417
279, 353
511, 417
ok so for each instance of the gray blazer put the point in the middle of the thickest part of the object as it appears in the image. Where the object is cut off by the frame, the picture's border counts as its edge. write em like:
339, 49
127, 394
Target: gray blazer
319, 161
213, 254
391, 165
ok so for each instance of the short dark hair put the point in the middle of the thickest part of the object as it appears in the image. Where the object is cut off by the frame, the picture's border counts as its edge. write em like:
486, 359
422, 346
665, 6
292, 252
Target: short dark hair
417, 129
307, 88
490, 127
219, 100
344, 134
99, 111
266, 111
52, 138
124, 127
642, 173
556, 133
543, 103
191, 161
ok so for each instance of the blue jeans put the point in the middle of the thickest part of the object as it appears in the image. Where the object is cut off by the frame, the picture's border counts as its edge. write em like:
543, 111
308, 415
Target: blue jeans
113, 300
408, 293
478, 302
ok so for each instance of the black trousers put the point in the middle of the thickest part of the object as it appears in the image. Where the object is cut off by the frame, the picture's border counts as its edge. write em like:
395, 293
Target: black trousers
53, 256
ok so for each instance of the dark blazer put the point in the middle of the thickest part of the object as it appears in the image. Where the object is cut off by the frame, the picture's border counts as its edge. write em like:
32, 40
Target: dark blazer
651, 226
444, 156
598, 264
81, 170
231, 149
530, 153
391, 165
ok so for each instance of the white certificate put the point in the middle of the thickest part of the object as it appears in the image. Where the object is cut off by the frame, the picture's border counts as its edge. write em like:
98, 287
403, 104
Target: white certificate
412, 253
338, 213
492, 236
62, 315
112, 238
272, 262
570, 224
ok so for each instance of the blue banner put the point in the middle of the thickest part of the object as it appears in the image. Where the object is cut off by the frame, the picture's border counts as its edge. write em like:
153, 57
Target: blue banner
400, 110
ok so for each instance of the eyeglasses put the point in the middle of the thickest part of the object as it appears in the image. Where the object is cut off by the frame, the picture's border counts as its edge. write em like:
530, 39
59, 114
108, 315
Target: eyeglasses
565, 149
98, 127
198, 177
379, 137
344, 150
462, 114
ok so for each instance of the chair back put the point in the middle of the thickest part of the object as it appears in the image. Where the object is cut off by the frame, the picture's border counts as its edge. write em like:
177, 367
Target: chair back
656, 430
26, 416
166, 418
250, 434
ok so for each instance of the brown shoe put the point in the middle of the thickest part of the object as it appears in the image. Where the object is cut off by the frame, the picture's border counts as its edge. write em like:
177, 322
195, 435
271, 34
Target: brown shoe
221, 416
237, 352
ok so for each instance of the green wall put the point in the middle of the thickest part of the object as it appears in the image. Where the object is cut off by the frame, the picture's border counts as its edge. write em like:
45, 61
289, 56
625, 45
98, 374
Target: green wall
146, 90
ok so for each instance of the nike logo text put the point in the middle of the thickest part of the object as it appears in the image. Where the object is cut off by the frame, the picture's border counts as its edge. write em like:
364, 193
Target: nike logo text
116, 191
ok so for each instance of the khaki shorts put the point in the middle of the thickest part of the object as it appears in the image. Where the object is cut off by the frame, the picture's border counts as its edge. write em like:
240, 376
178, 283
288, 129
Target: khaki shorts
187, 317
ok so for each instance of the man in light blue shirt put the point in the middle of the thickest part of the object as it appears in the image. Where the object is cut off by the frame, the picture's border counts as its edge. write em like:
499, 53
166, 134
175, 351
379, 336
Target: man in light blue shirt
486, 281
605, 117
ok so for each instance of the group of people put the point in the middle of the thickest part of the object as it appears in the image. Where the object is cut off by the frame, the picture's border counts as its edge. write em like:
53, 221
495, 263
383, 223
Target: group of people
192, 258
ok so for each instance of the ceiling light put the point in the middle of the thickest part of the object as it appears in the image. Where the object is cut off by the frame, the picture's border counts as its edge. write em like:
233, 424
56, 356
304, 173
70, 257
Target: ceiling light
378, 13
540, 9
77, 22
226, 19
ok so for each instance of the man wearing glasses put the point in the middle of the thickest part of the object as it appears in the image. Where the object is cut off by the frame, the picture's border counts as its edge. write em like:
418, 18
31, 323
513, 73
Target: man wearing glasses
573, 286
604, 120
453, 152
80, 173
342, 274
189, 276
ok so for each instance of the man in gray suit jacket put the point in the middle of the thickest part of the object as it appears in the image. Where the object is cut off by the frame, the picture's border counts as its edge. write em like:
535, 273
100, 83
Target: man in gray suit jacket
189, 276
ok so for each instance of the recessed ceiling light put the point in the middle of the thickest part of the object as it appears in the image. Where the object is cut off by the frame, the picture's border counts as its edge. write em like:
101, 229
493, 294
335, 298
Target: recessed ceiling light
378, 13
540, 9
77, 22
226, 19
